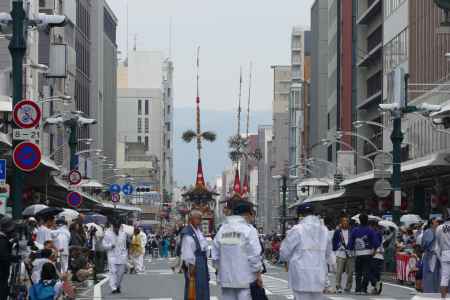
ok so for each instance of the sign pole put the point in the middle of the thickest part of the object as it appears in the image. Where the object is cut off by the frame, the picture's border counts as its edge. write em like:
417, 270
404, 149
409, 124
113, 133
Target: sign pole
17, 48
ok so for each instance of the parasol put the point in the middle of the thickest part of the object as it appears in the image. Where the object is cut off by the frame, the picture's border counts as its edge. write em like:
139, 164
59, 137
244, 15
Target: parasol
33, 210
69, 214
410, 219
371, 218
49, 211
389, 224
95, 218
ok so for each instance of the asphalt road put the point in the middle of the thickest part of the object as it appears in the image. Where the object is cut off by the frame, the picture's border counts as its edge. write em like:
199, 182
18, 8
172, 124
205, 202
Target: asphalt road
160, 283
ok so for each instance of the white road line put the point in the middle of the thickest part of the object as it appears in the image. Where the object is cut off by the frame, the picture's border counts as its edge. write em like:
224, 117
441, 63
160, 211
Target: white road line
98, 288
399, 286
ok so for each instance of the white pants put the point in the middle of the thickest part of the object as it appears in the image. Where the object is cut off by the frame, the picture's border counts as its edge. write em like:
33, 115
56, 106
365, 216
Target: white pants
445, 273
140, 263
116, 275
64, 261
236, 294
308, 296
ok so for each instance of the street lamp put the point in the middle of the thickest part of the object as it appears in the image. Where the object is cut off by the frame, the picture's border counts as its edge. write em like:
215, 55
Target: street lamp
284, 178
315, 159
361, 123
328, 141
340, 134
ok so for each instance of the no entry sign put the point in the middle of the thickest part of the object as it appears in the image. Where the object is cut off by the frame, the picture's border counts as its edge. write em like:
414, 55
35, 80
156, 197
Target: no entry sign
27, 114
27, 156
74, 199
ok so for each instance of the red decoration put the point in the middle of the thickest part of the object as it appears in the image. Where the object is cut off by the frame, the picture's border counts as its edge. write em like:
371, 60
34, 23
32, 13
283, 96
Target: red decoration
245, 187
237, 184
200, 181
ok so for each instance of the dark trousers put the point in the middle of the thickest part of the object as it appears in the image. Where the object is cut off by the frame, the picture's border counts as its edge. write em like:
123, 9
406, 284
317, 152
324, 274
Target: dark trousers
4, 276
362, 269
375, 271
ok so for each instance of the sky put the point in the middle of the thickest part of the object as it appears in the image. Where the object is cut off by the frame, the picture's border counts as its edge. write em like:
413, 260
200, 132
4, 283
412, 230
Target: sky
230, 33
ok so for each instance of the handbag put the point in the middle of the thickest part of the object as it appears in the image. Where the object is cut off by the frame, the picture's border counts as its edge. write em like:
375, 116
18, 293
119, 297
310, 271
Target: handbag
257, 292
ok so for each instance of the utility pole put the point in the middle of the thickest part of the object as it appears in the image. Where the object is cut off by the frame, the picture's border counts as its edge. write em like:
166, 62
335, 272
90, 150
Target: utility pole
283, 220
17, 48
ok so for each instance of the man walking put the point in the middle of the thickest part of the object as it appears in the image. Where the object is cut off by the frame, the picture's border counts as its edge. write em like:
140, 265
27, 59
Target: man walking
443, 242
377, 264
344, 256
115, 243
195, 260
62, 243
306, 249
363, 241
236, 254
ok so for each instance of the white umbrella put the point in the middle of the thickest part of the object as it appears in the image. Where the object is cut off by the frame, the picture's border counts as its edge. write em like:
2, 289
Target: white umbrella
386, 223
410, 219
99, 233
33, 209
371, 218
69, 214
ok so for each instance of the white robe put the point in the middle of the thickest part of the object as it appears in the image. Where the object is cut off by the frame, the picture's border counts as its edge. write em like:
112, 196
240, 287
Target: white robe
307, 249
116, 247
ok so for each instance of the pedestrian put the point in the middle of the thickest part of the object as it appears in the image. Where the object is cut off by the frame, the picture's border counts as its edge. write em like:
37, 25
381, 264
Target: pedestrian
236, 254
376, 266
45, 232
62, 243
194, 257
115, 243
7, 228
306, 250
165, 247
431, 264
345, 259
364, 242
49, 286
155, 250
137, 249
75, 237
443, 243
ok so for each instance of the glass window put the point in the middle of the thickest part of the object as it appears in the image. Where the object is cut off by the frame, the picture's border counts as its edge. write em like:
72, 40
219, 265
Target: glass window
139, 125
139, 107
146, 107
147, 127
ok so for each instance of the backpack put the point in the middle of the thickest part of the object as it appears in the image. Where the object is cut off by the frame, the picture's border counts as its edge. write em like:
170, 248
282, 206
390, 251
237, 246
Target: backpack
42, 291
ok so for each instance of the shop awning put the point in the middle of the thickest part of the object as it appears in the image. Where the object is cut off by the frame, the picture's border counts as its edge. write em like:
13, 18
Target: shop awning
5, 139
50, 164
315, 182
432, 160
320, 197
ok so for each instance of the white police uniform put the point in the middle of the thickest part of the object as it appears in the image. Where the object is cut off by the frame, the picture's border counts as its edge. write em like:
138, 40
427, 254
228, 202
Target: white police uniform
116, 247
236, 253
307, 249
443, 242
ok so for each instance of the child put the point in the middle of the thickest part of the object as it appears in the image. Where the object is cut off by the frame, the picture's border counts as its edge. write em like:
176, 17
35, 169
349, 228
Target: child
49, 286
418, 267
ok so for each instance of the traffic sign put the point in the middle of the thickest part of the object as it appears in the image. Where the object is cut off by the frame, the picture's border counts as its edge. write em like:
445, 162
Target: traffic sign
27, 114
2, 170
4, 196
127, 189
115, 197
74, 177
382, 188
25, 134
27, 156
114, 188
74, 199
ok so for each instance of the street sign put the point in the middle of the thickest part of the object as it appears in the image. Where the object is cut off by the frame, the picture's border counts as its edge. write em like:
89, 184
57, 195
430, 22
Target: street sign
74, 199
2, 170
127, 189
27, 156
114, 188
74, 177
115, 197
382, 188
25, 134
4, 196
27, 114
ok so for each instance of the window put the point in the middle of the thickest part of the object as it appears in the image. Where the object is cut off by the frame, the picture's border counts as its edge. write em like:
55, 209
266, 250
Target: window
146, 143
147, 127
139, 107
139, 125
139, 139
330, 153
146, 107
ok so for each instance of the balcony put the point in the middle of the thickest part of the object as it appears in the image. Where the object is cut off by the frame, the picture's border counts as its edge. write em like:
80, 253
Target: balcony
373, 92
371, 57
373, 9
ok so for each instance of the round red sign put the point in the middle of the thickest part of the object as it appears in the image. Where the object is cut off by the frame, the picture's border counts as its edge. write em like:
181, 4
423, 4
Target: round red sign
74, 177
27, 114
74, 199
27, 156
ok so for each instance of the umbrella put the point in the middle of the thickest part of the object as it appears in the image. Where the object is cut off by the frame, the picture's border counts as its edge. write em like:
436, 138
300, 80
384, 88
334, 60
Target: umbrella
99, 232
95, 218
49, 211
69, 214
386, 223
410, 219
33, 209
371, 218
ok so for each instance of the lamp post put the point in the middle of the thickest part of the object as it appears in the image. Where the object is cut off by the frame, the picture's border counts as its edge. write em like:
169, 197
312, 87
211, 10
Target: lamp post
284, 179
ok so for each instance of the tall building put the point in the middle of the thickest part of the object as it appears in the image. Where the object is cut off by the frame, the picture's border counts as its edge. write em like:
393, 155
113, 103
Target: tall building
167, 145
319, 79
265, 181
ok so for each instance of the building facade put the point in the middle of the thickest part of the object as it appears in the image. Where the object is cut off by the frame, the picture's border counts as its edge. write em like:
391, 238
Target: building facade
265, 181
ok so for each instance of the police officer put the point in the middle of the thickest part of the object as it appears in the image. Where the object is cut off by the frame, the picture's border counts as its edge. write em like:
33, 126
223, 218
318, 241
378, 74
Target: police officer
306, 249
236, 254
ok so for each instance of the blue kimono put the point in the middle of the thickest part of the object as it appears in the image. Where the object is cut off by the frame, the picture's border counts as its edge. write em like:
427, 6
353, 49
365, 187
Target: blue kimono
431, 264
201, 269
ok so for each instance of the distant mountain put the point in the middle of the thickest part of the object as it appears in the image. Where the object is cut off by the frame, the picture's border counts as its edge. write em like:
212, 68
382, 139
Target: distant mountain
215, 155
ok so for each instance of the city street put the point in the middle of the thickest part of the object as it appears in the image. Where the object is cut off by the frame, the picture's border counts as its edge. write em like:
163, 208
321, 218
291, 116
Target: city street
160, 283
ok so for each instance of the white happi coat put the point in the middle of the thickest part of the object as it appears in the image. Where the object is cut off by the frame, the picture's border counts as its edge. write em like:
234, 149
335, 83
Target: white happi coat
307, 249
236, 252
117, 255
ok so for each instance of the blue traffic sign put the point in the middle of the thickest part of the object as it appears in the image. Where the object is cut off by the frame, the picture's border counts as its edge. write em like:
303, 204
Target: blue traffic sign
127, 189
114, 188
74, 199
2, 170
27, 156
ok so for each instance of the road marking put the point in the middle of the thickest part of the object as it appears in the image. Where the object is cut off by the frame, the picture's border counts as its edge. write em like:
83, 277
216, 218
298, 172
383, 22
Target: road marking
399, 286
98, 288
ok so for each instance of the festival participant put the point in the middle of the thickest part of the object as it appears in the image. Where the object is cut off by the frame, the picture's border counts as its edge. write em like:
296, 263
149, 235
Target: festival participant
376, 266
431, 264
194, 257
115, 243
62, 243
236, 254
137, 250
443, 243
45, 232
307, 249
345, 259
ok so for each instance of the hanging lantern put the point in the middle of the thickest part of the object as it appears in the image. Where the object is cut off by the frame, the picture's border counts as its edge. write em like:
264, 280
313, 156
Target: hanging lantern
434, 201
444, 200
